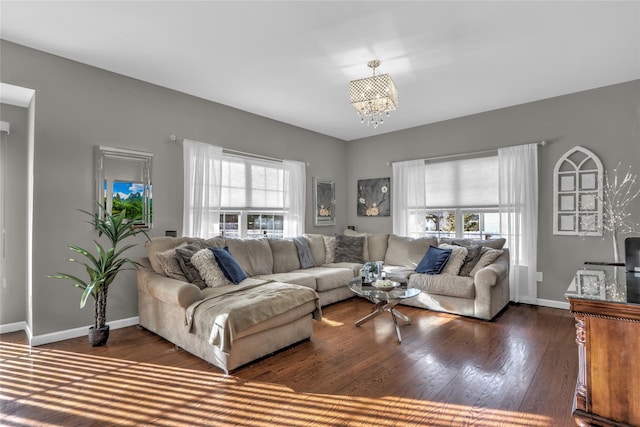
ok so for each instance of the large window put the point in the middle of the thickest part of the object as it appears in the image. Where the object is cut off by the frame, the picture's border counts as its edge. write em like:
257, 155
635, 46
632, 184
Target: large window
462, 198
252, 198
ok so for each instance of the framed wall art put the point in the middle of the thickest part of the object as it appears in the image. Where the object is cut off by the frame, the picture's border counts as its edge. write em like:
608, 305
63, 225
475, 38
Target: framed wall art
123, 182
591, 283
374, 197
324, 201
577, 192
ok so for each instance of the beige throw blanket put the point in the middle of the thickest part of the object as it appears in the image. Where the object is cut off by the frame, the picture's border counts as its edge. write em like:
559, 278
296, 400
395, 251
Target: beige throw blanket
234, 308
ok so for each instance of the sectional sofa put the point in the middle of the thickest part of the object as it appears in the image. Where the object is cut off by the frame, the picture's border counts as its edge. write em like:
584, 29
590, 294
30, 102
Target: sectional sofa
286, 290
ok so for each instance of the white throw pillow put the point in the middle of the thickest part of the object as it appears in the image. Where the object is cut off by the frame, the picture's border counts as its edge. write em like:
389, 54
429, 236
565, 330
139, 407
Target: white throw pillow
458, 255
330, 248
209, 269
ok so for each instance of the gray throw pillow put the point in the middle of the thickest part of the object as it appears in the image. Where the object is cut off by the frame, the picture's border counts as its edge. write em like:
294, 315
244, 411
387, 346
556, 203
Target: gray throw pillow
473, 255
350, 248
168, 261
488, 256
304, 252
189, 270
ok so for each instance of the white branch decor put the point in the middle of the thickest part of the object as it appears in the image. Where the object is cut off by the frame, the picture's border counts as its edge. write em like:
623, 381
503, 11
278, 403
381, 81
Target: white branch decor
618, 193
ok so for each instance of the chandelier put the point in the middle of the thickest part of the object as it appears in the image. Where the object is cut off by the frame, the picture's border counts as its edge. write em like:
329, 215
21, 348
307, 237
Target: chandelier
373, 97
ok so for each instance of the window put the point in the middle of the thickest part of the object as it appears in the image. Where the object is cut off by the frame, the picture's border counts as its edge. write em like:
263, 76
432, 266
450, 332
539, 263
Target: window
241, 195
252, 198
252, 224
462, 198
463, 223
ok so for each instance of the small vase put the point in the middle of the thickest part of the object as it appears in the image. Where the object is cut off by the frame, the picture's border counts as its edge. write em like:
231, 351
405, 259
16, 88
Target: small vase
98, 336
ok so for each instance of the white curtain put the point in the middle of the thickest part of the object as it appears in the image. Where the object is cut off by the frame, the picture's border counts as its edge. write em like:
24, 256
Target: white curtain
518, 199
409, 198
294, 197
202, 181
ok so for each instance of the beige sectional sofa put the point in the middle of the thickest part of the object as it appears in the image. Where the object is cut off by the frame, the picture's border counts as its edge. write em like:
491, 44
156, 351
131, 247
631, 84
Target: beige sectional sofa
169, 303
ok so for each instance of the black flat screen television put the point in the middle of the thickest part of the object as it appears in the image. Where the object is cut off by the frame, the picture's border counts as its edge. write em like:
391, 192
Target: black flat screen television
632, 254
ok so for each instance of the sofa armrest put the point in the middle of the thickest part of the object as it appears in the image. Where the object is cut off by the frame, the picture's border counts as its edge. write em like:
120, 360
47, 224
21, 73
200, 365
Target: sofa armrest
492, 273
166, 289
492, 288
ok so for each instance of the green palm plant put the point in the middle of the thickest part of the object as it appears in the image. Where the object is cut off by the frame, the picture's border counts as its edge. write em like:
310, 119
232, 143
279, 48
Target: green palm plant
103, 265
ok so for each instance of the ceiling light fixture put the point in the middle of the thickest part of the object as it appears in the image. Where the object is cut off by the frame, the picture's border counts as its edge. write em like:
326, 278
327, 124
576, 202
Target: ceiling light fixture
373, 97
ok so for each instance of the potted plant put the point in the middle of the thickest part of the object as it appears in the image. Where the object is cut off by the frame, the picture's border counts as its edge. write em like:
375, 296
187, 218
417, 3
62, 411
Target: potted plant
103, 266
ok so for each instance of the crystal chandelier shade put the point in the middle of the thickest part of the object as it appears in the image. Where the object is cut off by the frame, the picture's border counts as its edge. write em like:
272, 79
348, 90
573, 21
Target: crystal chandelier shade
373, 97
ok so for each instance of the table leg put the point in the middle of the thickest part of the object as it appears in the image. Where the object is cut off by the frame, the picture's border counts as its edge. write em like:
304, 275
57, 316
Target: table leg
377, 310
379, 307
401, 315
395, 323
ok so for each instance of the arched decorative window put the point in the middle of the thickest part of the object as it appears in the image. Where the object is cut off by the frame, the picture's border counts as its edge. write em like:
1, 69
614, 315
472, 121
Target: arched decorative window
577, 194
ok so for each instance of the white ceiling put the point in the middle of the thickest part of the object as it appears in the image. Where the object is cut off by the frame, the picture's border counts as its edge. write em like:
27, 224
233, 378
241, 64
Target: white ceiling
292, 61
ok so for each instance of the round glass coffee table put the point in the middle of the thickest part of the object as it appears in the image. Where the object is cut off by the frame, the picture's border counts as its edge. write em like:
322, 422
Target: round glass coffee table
383, 301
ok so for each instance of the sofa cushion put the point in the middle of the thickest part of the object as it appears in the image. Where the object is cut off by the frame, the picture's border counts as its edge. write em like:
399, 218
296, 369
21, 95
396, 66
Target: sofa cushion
407, 251
163, 243
378, 244
316, 244
349, 248
205, 262
453, 286
253, 255
329, 278
330, 249
169, 263
353, 266
398, 273
458, 255
302, 279
473, 256
229, 266
184, 255
434, 260
491, 243
488, 257
214, 242
285, 255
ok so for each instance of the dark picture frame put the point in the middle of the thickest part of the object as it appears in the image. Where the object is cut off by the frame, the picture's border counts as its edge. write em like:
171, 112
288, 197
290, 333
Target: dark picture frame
374, 197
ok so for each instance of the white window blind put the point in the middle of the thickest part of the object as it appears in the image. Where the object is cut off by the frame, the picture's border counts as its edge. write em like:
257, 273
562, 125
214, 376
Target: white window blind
462, 183
252, 184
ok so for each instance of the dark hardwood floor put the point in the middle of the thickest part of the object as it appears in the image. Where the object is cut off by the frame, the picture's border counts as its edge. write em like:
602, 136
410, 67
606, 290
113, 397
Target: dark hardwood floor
519, 370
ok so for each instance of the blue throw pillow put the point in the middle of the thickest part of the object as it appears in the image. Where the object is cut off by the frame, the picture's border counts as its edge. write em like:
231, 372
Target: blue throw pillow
433, 261
228, 265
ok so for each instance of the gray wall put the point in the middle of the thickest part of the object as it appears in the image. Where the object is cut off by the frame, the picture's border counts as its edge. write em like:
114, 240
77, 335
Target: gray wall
13, 296
604, 120
79, 107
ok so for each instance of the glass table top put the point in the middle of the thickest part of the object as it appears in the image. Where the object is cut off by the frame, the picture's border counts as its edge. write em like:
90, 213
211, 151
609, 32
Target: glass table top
605, 283
369, 291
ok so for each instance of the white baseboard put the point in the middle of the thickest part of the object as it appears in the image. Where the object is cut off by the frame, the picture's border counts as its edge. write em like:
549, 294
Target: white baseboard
13, 327
78, 332
553, 303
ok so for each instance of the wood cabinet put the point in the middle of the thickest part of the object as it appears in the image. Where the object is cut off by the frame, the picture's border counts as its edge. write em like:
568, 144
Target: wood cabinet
608, 337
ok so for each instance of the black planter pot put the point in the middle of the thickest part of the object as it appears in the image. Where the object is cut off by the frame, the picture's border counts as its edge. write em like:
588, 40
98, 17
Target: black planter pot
98, 336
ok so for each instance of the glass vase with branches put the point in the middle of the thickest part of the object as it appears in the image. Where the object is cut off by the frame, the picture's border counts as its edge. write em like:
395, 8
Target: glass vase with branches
617, 197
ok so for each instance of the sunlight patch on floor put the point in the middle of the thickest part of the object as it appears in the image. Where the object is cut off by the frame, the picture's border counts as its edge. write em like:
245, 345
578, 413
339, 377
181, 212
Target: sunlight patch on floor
53, 387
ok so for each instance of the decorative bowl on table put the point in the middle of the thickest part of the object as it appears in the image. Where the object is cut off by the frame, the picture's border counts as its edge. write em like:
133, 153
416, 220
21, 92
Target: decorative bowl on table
385, 285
